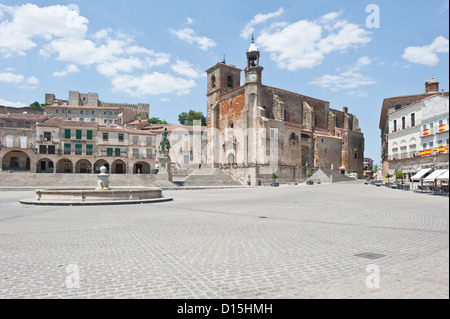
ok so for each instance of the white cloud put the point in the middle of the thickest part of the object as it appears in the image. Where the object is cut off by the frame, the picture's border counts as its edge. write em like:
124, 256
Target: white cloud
349, 79
152, 84
102, 34
71, 68
186, 69
29, 23
20, 80
60, 32
190, 36
12, 104
427, 54
329, 17
164, 100
189, 21
125, 65
32, 80
305, 44
9, 77
259, 19
84, 51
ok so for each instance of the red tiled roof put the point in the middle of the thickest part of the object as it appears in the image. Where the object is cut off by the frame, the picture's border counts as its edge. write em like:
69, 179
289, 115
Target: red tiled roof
157, 128
24, 117
58, 122
224, 64
140, 132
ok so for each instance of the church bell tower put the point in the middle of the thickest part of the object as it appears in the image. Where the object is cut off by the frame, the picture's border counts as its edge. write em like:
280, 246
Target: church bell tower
253, 70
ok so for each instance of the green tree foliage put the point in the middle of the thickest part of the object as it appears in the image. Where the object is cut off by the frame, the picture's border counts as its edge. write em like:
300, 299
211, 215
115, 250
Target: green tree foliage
375, 168
399, 175
189, 118
156, 120
37, 105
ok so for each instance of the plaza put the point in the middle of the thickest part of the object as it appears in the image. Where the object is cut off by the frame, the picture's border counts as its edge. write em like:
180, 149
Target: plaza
345, 240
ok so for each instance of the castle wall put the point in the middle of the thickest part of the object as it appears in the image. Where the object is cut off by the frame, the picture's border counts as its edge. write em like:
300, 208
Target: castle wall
20, 110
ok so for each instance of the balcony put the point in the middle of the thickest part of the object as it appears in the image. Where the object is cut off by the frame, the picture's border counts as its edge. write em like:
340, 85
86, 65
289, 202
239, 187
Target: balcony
46, 140
13, 145
434, 151
404, 155
142, 156
427, 132
442, 129
113, 154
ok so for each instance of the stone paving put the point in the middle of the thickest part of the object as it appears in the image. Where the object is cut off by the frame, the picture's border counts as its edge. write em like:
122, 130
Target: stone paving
287, 242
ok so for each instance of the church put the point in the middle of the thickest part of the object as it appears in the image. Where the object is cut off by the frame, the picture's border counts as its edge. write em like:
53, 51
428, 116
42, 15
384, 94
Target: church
255, 131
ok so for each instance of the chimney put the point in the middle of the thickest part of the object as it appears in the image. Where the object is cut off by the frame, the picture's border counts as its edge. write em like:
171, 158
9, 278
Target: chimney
432, 86
345, 109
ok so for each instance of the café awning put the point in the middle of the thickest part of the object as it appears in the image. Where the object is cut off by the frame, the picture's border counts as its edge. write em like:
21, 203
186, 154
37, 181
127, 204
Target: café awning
420, 174
443, 177
432, 177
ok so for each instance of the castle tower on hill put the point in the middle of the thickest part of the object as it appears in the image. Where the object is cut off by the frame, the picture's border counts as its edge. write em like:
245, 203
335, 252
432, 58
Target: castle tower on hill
76, 98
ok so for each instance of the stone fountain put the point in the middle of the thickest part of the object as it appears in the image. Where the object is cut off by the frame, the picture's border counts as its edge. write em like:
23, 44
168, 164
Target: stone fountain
102, 195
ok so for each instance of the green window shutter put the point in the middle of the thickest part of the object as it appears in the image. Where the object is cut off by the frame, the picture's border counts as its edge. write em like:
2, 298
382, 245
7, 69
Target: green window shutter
67, 134
109, 152
78, 135
118, 152
89, 146
89, 135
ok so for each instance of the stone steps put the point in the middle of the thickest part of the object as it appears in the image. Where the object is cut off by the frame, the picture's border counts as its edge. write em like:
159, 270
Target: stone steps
210, 177
329, 176
17, 179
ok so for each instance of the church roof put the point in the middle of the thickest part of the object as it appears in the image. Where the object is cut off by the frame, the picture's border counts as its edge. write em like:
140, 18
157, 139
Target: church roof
253, 47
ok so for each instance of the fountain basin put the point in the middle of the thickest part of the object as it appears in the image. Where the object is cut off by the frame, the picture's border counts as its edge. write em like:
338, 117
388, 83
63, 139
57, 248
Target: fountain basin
91, 196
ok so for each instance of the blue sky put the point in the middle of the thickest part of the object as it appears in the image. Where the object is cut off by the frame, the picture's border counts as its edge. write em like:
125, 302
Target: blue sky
156, 52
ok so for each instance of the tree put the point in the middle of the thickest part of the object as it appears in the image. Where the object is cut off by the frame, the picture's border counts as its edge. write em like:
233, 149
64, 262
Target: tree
37, 105
388, 176
399, 175
189, 118
375, 168
156, 120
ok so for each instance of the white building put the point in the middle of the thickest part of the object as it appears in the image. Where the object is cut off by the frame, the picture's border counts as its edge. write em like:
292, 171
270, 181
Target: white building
404, 132
418, 136
435, 126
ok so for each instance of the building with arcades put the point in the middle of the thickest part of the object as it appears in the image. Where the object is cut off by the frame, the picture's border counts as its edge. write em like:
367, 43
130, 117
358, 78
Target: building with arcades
40, 144
255, 130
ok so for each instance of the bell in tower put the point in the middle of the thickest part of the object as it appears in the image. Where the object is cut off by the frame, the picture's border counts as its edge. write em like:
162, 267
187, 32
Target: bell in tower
253, 55
253, 71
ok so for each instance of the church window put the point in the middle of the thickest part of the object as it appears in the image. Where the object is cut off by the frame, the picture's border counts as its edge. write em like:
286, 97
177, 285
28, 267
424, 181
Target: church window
213, 81
229, 81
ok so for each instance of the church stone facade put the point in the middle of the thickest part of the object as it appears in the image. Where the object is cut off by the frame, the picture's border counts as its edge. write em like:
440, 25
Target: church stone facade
255, 130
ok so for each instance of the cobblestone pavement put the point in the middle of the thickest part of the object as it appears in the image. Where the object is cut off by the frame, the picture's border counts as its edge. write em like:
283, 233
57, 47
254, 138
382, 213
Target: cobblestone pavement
287, 242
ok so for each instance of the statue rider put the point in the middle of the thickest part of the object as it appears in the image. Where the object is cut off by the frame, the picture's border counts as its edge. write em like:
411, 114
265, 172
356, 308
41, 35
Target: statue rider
165, 144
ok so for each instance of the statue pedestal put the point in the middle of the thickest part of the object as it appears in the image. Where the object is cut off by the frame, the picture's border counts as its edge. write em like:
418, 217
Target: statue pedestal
165, 167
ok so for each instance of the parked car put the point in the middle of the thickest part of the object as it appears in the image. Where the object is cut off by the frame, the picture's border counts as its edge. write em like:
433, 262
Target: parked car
352, 175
